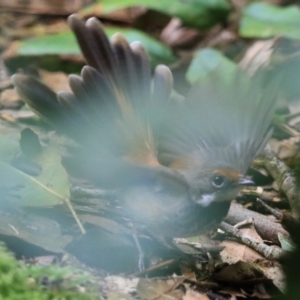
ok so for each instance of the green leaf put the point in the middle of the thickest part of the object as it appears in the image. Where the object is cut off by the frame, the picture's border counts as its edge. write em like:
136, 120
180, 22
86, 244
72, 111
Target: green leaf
207, 61
195, 13
32, 228
49, 188
286, 243
64, 43
265, 20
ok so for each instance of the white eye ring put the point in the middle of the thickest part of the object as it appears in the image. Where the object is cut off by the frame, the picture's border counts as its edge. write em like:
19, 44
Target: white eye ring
218, 181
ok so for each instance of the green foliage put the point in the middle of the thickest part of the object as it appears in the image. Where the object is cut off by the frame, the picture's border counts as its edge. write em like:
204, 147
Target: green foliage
19, 282
264, 20
209, 60
64, 43
195, 13
48, 188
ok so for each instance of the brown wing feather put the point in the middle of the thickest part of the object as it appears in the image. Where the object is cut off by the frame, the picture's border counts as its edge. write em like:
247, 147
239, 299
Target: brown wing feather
222, 122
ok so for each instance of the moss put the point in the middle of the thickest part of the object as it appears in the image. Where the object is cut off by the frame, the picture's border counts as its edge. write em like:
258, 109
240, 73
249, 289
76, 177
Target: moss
19, 281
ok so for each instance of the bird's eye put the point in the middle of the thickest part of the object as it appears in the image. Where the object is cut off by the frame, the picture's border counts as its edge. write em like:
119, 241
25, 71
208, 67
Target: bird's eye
218, 181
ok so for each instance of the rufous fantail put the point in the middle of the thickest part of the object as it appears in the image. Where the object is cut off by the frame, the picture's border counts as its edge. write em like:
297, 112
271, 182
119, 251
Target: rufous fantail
175, 165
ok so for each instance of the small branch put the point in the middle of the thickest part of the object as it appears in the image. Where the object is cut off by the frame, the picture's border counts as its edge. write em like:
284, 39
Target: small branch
266, 228
270, 252
153, 268
285, 180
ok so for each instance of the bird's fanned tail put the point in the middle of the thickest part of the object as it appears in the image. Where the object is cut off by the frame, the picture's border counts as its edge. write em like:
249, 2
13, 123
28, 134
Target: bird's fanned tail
116, 104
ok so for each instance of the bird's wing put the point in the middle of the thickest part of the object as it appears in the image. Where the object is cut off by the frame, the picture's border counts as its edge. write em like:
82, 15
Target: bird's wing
223, 120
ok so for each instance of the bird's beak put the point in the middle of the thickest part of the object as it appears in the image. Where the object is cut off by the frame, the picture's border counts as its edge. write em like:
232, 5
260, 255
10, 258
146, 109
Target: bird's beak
246, 181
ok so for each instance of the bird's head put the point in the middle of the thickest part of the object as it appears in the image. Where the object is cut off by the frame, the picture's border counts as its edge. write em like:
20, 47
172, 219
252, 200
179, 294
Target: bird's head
210, 182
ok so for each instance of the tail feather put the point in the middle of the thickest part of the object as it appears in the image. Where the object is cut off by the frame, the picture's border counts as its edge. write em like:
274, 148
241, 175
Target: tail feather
119, 75
143, 71
162, 83
99, 89
41, 99
93, 41
112, 101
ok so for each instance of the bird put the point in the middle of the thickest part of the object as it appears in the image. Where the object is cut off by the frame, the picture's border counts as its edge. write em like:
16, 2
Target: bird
175, 164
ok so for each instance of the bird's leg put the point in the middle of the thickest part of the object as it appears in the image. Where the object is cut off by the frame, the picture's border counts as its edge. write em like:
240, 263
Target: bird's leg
141, 262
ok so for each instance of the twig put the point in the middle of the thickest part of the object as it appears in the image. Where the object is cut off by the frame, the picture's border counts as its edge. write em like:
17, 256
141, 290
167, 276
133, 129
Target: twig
270, 252
285, 180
